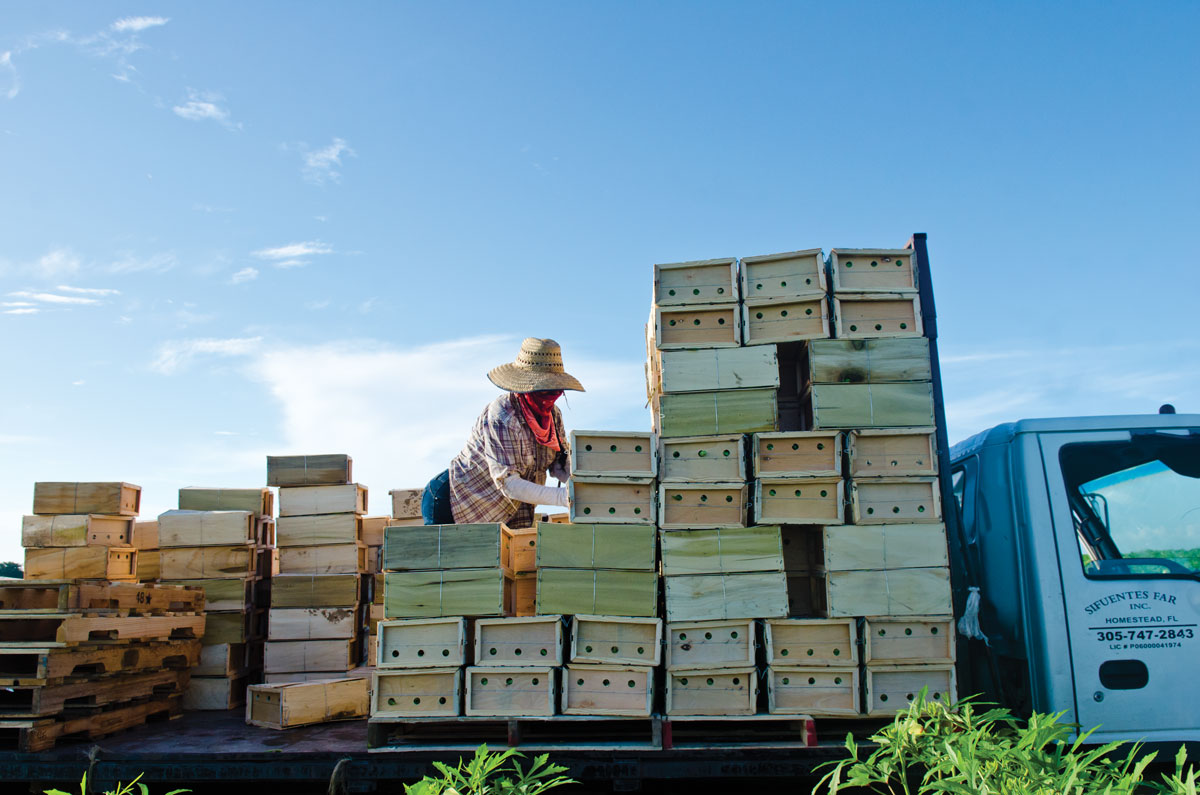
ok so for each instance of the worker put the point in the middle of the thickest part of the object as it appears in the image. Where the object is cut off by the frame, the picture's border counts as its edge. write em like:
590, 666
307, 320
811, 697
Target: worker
500, 475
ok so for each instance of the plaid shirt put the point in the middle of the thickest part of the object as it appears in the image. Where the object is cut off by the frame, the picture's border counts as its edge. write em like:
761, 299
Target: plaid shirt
501, 446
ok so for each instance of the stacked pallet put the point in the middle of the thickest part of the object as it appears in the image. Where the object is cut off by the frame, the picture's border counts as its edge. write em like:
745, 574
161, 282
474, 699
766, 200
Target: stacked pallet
81, 531
317, 602
222, 541
406, 512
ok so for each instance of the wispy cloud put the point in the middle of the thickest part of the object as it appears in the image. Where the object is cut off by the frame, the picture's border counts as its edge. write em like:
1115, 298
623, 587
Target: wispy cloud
102, 291
22, 311
322, 165
54, 298
175, 354
210, 209
12, 79
56, 263
115, 43
136, 24
244, 275
205, 106
131, 263
291, 255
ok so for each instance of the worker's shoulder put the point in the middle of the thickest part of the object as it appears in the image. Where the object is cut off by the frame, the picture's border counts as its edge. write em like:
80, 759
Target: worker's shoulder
500, 411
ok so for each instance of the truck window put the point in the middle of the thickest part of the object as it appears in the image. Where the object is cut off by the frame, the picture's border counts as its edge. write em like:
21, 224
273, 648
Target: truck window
1136, 504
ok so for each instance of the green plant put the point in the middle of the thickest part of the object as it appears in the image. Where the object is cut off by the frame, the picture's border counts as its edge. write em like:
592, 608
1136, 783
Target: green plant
1177, 783
492, 773
122, 789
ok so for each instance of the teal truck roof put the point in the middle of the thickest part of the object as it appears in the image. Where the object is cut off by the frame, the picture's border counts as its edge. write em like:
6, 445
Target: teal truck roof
1005, 433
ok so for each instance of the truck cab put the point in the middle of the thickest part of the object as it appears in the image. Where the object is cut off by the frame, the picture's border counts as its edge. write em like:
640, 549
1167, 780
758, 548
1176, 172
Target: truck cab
1083, 538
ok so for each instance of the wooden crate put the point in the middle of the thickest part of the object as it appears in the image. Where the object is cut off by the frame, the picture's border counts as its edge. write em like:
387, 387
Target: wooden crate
785, 320
874, 316
416, 693
372, 529
792, 274
701, 326
721, 551
406, 503
684, 506
324, 559
70, 563
615, 640
510, 691
287, 656
717, 413
449, 592
613, 453
811, 641
312, 623
309, 470
82, 530
798, 454
890, 592
316, 590
612, 500
918, 640
222, 594
205, 528
422, 643
891, 688
311, 500
889, 546
719, 691
536, 640
119, 499
330, 528
702, 645
886, 500
230, 626
216, 693
283, 706
591, 546
712, 369
703, 597
149, 565
223, 659
260, 502
798, 501
374, 616
447, 546
710, 281
608, 690
892, 452
360, 672
524, 590
813, 691
522, 550
831, 406
857, 270
597, 592
806, 594
867, 361
703, 459
144, 535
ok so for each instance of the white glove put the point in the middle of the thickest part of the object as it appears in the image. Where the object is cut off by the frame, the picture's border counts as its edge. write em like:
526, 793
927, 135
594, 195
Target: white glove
522, 490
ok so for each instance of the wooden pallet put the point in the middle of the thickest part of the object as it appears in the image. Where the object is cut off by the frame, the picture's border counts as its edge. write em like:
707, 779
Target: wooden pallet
67, 629
558, 732
30, 736
51, 665
739, 732
47, 596
48, 700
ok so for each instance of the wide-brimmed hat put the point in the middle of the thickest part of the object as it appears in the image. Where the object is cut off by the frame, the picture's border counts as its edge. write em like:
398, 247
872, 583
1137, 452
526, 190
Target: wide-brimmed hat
538, 367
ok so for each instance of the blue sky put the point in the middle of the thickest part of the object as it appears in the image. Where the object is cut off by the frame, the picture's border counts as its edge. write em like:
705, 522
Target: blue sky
229, 230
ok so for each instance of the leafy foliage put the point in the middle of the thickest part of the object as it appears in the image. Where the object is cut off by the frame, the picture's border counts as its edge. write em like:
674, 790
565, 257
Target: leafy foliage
122, 789
10, 569
492, 773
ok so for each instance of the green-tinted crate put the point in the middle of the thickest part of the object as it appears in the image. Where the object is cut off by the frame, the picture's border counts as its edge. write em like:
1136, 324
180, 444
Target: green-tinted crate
597, 592
717, 413
592, 546
446, 546
450, 592
721, 551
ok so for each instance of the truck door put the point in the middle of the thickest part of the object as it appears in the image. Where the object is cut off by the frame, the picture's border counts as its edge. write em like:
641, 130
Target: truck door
1126, 514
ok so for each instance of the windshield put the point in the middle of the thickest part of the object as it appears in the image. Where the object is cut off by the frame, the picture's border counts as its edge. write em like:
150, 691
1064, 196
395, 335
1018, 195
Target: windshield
1136, 504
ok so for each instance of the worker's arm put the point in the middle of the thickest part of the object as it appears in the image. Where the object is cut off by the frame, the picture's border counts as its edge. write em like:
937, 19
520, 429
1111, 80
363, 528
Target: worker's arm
560, 470
522, 490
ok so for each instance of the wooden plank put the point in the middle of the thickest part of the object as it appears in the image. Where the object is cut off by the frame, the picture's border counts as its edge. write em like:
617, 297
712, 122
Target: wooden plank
887, 500
524, 591
612, 500
522, 551
703, 459
324, 559
891, 689
615, 640
134, 598
813, 691
260, 502
39, 666
702, 597
852, 406
893, 546
534, 640
717, 413
216, 693
422, 643
591, 546
67, 530
597, 592
857, 270
42, 629
316, 590
874, 316
119, 499
285, 656
785, 320
718, 551
711, 369
699, 326
359, 672
792, 274
228, 626
608, 690
309, 470
890, 592
798, 454
149, 567
46, 700
614, 453
283, 706
704, 645
144, 535
374, 616
205, 528
312, 623
811, 641
446, 546
372, 529
196, 563
798, 501
330, 528
222, 594
449, 592
719, 691
406, 503
710, 281
899, 641
867, 361
510, 691
685, 506
70, 563
372, 649
311, 500
892, 452
417, 693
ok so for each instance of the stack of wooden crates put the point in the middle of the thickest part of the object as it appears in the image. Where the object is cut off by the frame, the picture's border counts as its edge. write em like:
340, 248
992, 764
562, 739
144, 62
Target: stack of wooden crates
316, 623
81, 531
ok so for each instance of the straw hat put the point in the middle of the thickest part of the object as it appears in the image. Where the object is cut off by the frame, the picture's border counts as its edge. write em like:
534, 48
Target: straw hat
538, 366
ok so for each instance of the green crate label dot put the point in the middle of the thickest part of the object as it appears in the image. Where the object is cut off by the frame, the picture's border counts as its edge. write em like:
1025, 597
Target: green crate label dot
874, 263
587, 648
812, 681
670, 292
683, 636
870, 510
606, 683
641, 649
933, 630
783, 653
675, 454
853, 328
683, 681
903, 325
696, 291
795, 446
808, 281
837, 652
483, 681
824, 493
758, 286
708, 636
637, 511
492, 651
612, 448
733, 634
672, 323
720, 321
810, 652
710, 681
612, 510
879, 327
727, 454
783, 284
899, 263
442, 700
587, 510
587, 447
737, 681
786, 680
677, 497
579, 681
702, 453
770, 446
703, 498
772, 492
445, 652
908, 630
883, 696
508, 681
391, 702
544, 652
895, 509
420, 653
797, 492
631, 683
729, 499
535, 680
808, 311
517, 652
820, 445
783, 313
837, 680
849, 264
696, 322
417, 700
637, 448
614, 649
920, 509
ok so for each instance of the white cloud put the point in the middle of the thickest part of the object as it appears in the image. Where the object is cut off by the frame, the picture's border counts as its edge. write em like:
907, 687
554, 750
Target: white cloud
87, 290
366, 306
291, 263
130, 263
204, 106
23, 311
175, 354
321, 165
315, 305
135, 24
14, 79
244, 275
53, 298
289, 256
15, 303
57, 262
80, 382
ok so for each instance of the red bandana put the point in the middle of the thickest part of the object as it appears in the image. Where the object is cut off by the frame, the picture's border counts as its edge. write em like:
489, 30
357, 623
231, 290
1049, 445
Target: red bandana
539, 416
